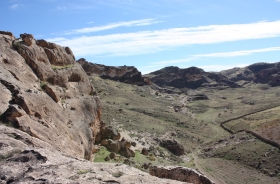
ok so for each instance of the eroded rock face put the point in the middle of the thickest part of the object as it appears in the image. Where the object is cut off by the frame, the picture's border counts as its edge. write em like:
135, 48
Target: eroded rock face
127, 74
46, 94
180, 174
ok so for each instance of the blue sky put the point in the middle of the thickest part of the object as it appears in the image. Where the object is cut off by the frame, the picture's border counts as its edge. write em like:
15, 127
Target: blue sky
213, 35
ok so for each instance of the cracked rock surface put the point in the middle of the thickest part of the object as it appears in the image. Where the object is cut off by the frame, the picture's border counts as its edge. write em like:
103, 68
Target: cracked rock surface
46, 94
25, 159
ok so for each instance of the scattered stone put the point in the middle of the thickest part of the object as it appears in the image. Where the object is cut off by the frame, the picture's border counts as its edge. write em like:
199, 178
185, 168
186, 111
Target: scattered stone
112, 155
144, 151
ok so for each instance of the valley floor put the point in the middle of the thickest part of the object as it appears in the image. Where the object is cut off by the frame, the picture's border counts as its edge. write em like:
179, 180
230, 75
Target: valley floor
224, 154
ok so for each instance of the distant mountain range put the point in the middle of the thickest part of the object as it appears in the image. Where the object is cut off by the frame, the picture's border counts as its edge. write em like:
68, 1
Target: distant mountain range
193, 77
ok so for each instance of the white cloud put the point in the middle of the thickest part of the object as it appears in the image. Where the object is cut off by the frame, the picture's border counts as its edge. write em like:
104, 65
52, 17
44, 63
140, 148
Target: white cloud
61, 8
142, 22
209, 68
153, 41
239, 53
217, 68
14, 6
73, 7
213, 55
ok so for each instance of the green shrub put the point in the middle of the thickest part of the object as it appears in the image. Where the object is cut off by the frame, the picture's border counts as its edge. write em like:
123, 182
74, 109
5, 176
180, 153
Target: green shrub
83, 171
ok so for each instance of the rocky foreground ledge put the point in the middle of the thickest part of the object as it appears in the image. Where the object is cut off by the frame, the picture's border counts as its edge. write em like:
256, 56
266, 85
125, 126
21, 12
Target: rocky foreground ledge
25, 159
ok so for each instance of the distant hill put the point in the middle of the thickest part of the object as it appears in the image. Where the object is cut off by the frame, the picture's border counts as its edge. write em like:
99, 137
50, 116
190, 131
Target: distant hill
193, 77
265, 73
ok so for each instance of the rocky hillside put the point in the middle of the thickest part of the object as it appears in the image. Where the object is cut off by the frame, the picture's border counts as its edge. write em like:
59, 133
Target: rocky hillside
127, 74
265, 73
192, 77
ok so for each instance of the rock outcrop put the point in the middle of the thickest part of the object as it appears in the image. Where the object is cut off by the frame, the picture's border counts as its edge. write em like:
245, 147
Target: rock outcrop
180, 174
188, 78
46, 94
127, 74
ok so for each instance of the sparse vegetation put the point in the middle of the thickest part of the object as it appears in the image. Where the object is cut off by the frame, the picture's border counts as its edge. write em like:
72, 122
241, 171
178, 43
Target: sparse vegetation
9, 154
43, 84
83, 171
54, 67
17, 44
100, 156
117, 174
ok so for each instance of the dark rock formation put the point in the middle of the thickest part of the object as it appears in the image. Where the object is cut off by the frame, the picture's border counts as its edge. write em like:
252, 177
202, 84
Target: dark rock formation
173, 146
188, 78
127, 74
180, 174
144, 151
41, 85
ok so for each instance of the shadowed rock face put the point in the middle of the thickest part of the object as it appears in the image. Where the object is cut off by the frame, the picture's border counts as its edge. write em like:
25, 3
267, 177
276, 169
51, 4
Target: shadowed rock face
180, 174
46, 94
127, 74
264, 73
188, 78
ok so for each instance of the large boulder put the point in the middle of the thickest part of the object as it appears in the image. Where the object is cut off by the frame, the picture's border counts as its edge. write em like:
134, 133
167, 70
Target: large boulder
107, 132
46, 94
122, 147
173, 146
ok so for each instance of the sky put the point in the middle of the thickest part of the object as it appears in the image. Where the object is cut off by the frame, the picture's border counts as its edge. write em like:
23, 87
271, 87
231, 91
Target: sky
152, 34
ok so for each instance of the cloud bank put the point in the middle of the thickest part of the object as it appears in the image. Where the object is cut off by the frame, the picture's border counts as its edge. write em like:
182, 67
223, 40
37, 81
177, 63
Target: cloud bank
142, 22
157, 40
